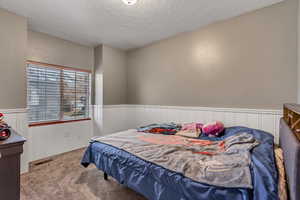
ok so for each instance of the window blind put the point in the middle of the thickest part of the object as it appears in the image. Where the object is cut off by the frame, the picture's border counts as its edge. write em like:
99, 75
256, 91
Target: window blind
57, 94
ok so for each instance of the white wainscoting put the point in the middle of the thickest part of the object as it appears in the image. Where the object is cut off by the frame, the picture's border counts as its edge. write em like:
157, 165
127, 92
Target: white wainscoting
44, 141
97, 113
17, 119
122, 117
117, 118
55, 139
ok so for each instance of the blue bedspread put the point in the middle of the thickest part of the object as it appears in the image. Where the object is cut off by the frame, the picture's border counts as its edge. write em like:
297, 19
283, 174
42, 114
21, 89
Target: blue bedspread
158, 183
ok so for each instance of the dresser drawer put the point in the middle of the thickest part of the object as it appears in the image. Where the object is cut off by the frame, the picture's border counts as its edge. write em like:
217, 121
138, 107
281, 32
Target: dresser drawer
11, 151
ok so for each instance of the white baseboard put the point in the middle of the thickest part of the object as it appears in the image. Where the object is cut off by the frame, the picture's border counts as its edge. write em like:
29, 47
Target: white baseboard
121, 117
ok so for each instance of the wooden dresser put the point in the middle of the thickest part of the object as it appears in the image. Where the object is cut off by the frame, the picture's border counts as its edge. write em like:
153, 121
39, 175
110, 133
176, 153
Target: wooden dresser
10, 151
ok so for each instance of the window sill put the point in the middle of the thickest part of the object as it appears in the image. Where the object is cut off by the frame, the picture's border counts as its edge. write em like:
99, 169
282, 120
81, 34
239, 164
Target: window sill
56, 122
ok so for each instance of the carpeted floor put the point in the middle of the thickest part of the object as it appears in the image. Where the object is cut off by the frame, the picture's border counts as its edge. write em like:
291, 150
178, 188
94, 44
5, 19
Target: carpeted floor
65, 179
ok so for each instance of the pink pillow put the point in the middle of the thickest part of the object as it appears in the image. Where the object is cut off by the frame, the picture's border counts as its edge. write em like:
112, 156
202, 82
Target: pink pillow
213, 129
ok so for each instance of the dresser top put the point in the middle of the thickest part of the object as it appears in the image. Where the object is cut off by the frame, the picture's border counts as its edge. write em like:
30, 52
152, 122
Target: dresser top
14, 139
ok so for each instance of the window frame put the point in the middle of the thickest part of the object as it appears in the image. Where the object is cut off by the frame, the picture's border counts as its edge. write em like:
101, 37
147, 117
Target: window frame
60, 67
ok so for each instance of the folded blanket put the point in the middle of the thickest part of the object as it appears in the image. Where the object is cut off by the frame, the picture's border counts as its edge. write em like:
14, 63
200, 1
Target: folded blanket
192, 130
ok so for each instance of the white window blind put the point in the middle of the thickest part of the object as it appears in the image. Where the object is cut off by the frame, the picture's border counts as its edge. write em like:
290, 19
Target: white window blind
57, 94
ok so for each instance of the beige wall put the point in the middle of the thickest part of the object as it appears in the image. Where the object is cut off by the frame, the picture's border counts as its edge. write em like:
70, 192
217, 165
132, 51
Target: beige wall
53, 50
102, 59
114, 75
13, 38
248, 61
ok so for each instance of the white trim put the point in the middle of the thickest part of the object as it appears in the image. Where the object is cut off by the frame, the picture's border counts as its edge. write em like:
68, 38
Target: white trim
192, 108
12, 111
116, 106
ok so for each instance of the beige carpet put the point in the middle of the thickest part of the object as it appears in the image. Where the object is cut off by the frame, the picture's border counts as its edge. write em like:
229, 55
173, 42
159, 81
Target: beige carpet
65, 179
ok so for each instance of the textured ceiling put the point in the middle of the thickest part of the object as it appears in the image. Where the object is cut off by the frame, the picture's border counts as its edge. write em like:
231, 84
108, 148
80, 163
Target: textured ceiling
111, 22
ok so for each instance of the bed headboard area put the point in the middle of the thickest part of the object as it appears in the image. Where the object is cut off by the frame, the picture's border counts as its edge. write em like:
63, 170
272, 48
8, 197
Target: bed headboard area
290, 144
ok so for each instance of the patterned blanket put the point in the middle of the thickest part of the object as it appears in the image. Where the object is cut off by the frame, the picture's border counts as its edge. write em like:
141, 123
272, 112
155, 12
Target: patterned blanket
219, 163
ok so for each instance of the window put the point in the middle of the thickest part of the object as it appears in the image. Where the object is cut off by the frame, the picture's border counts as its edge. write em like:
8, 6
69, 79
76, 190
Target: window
56, 93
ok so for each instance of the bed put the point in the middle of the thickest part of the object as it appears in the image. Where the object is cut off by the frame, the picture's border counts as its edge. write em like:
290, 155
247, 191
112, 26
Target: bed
157, 182
289, 142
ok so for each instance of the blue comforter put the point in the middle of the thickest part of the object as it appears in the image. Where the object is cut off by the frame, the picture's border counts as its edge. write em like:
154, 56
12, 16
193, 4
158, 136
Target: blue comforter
158, 183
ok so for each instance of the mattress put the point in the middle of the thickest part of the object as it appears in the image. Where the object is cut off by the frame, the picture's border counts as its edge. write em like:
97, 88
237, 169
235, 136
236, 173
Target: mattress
158, 183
